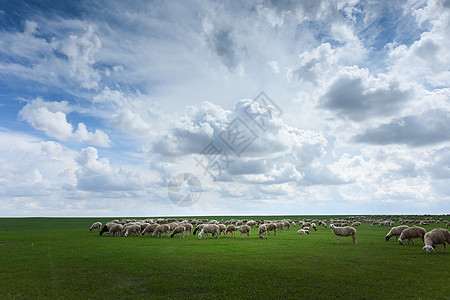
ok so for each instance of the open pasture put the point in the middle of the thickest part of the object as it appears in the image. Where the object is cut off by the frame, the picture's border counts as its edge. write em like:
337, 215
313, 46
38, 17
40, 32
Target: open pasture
60, 258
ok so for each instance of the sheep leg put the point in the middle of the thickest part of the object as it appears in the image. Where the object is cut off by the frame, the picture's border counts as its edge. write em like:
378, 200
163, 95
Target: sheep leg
442, 250
338, 240
413, 242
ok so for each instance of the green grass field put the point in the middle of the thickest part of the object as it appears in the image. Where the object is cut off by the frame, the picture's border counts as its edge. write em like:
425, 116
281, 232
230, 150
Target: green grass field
60, 258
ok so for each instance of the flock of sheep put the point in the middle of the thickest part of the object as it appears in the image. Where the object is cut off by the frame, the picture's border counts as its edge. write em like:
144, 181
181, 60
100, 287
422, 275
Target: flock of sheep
340, 227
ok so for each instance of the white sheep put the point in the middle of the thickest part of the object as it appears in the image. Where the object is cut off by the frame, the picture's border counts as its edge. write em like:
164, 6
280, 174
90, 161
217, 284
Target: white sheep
231, 229
134, 229
178, 230
149, 229
302, 231
271, 227
344, 231
209, 228
115, 228
435, 237
160, 230
395, 231
188, 227
354, 224
244, 229
96, 225
411, 233
262, 231
222, 228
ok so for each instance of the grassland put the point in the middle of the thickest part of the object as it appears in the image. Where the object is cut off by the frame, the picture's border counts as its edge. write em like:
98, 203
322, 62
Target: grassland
60, 258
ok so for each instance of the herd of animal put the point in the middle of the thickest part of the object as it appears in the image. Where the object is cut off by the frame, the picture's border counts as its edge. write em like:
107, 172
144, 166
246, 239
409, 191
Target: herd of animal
340, 227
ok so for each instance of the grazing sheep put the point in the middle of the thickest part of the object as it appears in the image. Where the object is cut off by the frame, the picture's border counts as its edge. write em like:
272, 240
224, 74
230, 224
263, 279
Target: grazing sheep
344, 231
354, 224
313, 225
302, 231
115, 228
179, 230
222, 228
411, 233
209, 228
244, 229
149, 229
435, 237
199, 228
395, 231
96, 225
231, 229
262, 231
160, 230
106, 227
132, 229
188, 227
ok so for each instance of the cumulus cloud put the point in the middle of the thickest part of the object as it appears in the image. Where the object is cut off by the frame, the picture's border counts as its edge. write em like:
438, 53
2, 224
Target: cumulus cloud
419, 130
357, 95
50, 117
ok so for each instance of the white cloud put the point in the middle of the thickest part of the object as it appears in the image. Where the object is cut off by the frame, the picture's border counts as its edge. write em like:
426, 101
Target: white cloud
50, 117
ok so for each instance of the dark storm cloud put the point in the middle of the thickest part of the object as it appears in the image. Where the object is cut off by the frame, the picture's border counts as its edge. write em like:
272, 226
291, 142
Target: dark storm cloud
225, 47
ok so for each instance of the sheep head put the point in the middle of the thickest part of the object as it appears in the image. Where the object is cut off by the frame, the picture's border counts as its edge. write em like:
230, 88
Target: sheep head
400, 241
428, 248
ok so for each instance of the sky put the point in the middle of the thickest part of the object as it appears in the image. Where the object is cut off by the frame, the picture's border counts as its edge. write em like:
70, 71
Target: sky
181, 108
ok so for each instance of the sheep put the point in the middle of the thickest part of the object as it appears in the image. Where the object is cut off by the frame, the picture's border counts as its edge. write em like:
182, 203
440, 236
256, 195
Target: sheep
132, 229
199, 228
96, 225
395, 231
231, 229
434, 237
411, 233
251, 223
262, 231
149, 229
115, 228
271, 227
344, 231
160, 230
313, 225
188, 227
178, 230
222, 228
354, 224
209, 228
302, 231
244, 229
106, 227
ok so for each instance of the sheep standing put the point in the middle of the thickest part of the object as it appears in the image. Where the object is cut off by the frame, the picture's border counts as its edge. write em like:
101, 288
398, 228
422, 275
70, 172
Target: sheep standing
395, 231
177, 231
222, 228
244, 229
231, 229
412, 233
160, 230
96, 225
344, 231
188, 227
271, 227
435, 237
209, 228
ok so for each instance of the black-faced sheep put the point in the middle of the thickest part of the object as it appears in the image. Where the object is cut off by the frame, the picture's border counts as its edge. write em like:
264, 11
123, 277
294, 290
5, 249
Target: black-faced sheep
344, 231
199, 228
209, 228
244, 229
412, 233
435, 237
96, 225
395, 231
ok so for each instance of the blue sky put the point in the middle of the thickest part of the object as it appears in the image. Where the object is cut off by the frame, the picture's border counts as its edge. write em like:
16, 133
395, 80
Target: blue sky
103, 103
